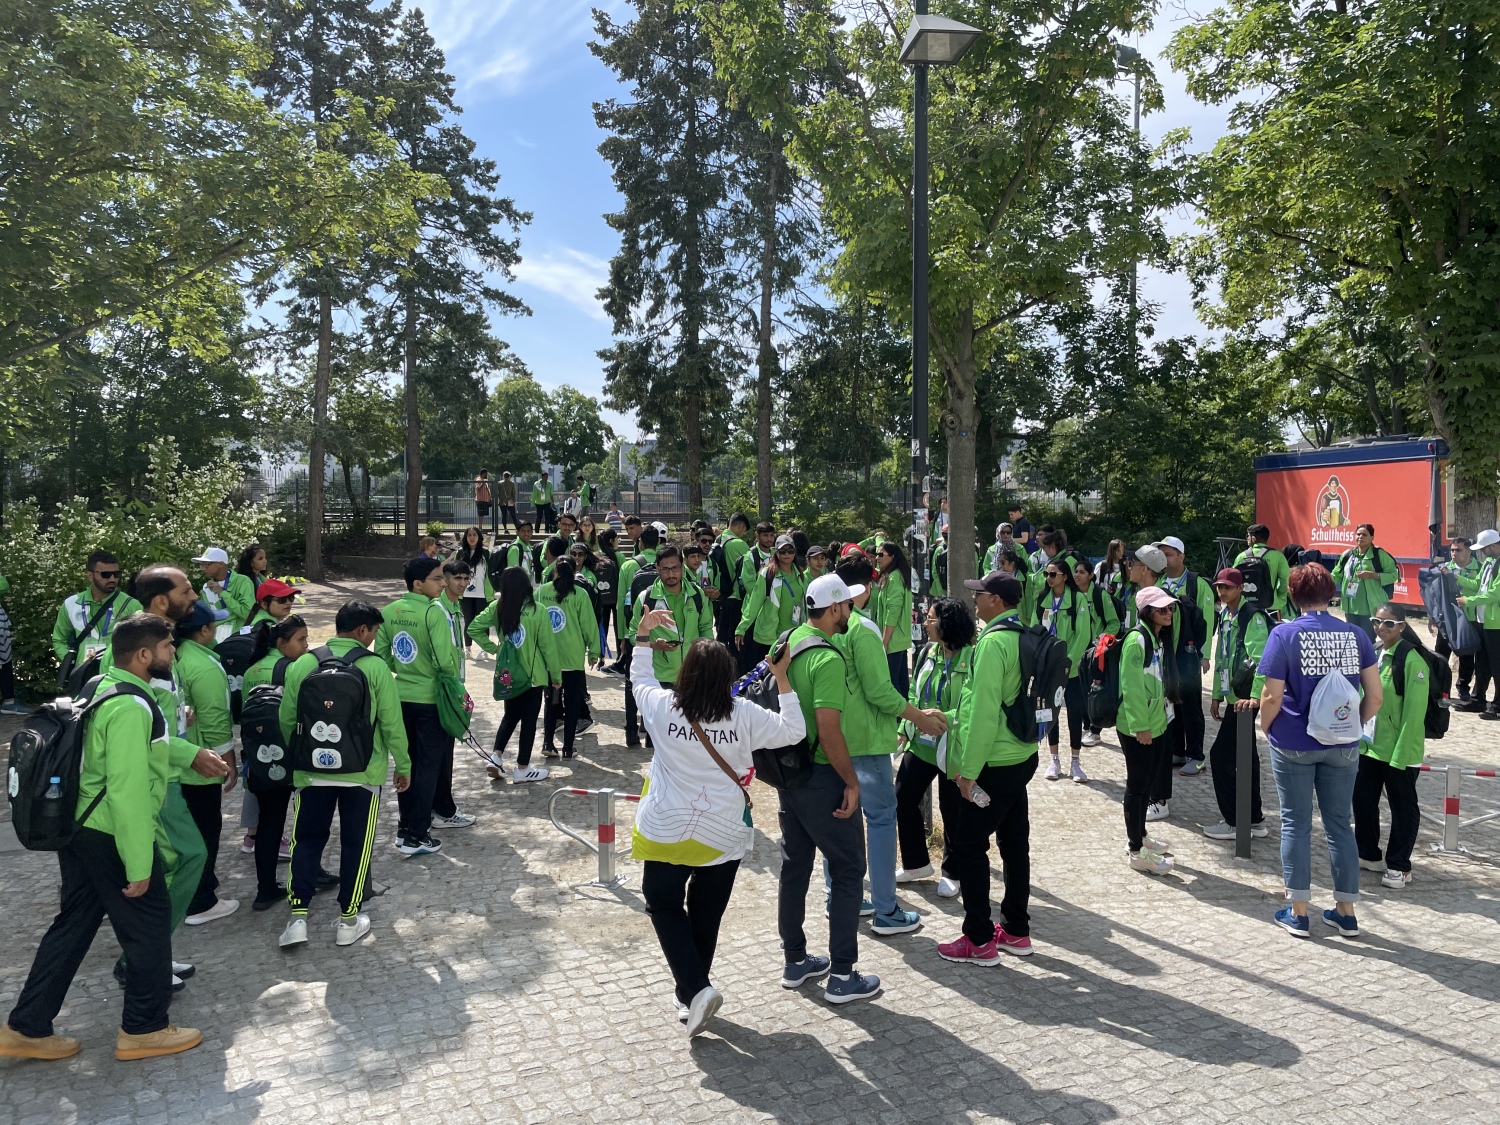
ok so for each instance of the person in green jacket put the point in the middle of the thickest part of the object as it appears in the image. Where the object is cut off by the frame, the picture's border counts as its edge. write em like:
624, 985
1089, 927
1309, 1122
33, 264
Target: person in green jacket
576, 634
692, 614
416, 641
354, 796
644, 558
456, 577
1065, 613
943, 667
773, 603
1240, 637
937, 582
1011, 561
541, 499
1104, 618
1464, 564
516, 616
1365, 577
1147, 672
518, 552
727, 556
85, 619
1392, 751
1191, 647
871, 716
226, 589
991, 768
205, 691
111, 867
1258, 538
753, 562
1481, 596
286, 643
893, 611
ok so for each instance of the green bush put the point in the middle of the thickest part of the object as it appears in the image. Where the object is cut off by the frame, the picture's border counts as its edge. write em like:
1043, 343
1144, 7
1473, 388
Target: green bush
174, 517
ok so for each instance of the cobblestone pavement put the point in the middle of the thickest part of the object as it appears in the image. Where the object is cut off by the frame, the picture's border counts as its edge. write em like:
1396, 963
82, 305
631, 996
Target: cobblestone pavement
497, 987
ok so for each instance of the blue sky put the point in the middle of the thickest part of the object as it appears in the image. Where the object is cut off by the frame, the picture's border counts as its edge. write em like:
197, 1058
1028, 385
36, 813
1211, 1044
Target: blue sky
528, 82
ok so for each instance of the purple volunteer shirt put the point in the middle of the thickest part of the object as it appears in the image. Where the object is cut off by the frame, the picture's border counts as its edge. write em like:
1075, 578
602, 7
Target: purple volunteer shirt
1301, 652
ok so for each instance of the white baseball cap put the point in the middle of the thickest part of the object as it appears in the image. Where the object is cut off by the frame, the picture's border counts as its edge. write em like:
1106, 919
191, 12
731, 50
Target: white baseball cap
1150, 556
1487, 538
661, 528
213, 555
1175, 543
830, 589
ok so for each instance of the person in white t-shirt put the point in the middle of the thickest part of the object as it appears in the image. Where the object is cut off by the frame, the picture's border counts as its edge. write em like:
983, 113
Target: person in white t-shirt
692, 826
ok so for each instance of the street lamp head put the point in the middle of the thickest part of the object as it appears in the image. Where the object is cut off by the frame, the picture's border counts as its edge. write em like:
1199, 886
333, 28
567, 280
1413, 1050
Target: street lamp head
937, 40
1126, 56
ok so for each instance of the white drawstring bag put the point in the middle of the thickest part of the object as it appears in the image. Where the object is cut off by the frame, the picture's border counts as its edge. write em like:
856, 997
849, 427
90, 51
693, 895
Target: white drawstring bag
1333, 715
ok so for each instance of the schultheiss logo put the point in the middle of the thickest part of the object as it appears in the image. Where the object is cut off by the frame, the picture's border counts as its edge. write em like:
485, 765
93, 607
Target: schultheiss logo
1333, 519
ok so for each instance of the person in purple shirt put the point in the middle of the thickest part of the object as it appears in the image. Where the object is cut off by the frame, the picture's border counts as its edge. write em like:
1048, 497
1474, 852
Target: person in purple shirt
1298, 655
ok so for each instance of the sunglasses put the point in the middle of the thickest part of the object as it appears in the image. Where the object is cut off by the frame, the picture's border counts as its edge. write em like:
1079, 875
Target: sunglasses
787, 551
1382, 623
106, 575
1054, 574
1164, 609
288, 599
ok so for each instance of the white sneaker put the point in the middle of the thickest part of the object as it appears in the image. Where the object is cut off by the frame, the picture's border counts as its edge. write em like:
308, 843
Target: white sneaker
1160, 811
1075, 771
702, 1009
527, 773
1054, 769
1395, 880
295, 932
915, 874
182, 969
1220, 831
1259, 830
947, 888
1090, 738
347, 933
1372, 865
1153, 863
457, 820
221, 909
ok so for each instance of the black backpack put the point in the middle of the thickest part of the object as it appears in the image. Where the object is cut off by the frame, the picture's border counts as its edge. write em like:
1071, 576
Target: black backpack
333, 732
1044, 676
781, 767
1388, 587
1192, 626
1260, 587
267, 765
1439, 686
45, 757
1241, 667
1101, 673
70, 674
237, 652
81, 674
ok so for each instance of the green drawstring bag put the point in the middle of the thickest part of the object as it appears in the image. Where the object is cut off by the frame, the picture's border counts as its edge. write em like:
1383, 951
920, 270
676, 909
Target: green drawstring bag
455, 708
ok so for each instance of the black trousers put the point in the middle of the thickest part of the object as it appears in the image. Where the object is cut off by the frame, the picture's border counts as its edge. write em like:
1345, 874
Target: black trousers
1142, 765
913, 779
429, 746
568, 709
632, 718
1400, 787
357, 808
1076, 700
1159, 787
1190, 718
808, 826
8, 680
508, 517
520, 711
900, 666
1465, 663
442, 793
206, 805
273, 809
1008, 819
726, 620
688, 937
1487, 668
471, 608
1222, 760
752, 654
93, 884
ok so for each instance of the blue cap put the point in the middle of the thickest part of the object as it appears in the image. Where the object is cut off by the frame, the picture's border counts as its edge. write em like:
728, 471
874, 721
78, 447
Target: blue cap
200, 615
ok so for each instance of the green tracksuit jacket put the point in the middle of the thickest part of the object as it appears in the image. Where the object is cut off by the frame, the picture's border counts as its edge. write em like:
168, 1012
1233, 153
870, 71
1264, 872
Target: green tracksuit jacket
385, 716
1363, 596
74, 615
575, 629
773, 612
416, 641
534, 641
120, 757
978, 734
205, 688
874, 707
694, 615
1400, 725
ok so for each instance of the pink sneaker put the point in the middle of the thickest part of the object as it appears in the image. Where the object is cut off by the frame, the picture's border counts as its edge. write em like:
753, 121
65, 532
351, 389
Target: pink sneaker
247, 845
1020, 946
966, 951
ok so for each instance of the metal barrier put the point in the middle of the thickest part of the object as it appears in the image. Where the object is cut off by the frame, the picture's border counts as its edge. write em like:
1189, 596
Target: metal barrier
605, 848
1451, 823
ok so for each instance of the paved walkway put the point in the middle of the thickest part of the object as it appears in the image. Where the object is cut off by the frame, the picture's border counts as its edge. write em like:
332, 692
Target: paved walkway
496, 987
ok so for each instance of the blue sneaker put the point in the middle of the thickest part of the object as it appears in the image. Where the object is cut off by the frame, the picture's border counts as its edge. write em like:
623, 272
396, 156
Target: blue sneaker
897, 921
856, 986
1344, 923
809, 968
1294, 924
866, 907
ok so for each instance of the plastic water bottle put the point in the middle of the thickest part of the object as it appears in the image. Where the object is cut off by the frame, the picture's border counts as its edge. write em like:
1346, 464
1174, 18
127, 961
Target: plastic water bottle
979, 797
54, 791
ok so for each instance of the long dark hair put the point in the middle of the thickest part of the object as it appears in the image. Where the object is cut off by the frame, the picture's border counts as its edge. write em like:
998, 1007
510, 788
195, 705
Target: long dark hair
607, 538
1114, 560
480, 554
563, 576
1064, 563
285, 629
515, 595
590, 560
703, 682
899, 565
246, 564
955, 623
1408, 634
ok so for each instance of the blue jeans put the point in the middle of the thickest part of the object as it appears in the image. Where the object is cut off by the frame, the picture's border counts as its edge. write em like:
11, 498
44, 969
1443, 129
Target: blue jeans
1331, 774
877, 797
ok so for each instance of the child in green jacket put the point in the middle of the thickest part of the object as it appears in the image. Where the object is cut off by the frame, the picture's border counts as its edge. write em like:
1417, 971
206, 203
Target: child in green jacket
1146, 669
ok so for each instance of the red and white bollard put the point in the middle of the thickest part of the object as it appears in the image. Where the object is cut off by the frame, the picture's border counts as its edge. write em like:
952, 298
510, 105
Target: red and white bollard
605, 829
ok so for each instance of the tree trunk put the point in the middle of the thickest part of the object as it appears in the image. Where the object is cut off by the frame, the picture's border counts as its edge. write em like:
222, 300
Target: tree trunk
766, 356
348, 471
317, 448
1475, 501
961, 423
692, 461
413, 424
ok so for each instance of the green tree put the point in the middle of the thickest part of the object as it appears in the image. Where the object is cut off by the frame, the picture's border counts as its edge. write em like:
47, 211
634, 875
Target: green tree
509, 431
1364, 144
573, 435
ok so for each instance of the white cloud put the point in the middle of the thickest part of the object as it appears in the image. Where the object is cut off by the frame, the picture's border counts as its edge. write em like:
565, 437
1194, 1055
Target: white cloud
495, 45
574, 276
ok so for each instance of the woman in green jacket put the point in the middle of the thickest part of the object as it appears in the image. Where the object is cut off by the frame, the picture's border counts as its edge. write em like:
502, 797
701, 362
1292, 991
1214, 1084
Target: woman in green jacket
1391, 753
893, 611
942, 669
1065, 613
531, 653
1104, 618
1144, 715
773, 602
286, 642
575, 629
1009, 560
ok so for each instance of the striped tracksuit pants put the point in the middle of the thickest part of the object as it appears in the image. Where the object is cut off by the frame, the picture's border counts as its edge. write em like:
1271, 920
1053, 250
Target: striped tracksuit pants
312, 824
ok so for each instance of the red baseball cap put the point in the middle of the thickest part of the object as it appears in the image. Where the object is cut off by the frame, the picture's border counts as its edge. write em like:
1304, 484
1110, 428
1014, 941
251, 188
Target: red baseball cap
274, 588
1229, 576
852, 549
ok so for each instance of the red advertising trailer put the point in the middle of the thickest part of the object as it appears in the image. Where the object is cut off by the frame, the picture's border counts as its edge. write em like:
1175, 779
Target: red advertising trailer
1318, 497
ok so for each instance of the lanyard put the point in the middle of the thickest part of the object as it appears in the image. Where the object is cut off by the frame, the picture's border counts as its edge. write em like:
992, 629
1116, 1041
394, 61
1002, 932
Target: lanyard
927, 692
1052, 615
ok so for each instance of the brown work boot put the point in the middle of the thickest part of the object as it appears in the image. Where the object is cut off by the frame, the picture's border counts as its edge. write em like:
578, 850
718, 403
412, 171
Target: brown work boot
17, 1046
168, 1041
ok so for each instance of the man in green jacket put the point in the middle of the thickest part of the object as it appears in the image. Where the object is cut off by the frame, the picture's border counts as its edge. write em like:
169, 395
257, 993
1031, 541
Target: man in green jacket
1258, 536
1464, 564
692, 615
354, 795
773, 603
541, 500
456, 575
727, 556
645, 558
111, 867
1482, 596
226, 589
991, 767
84, 621
1192, 655
518, 552
1365, 577
416, 640
1240, 637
